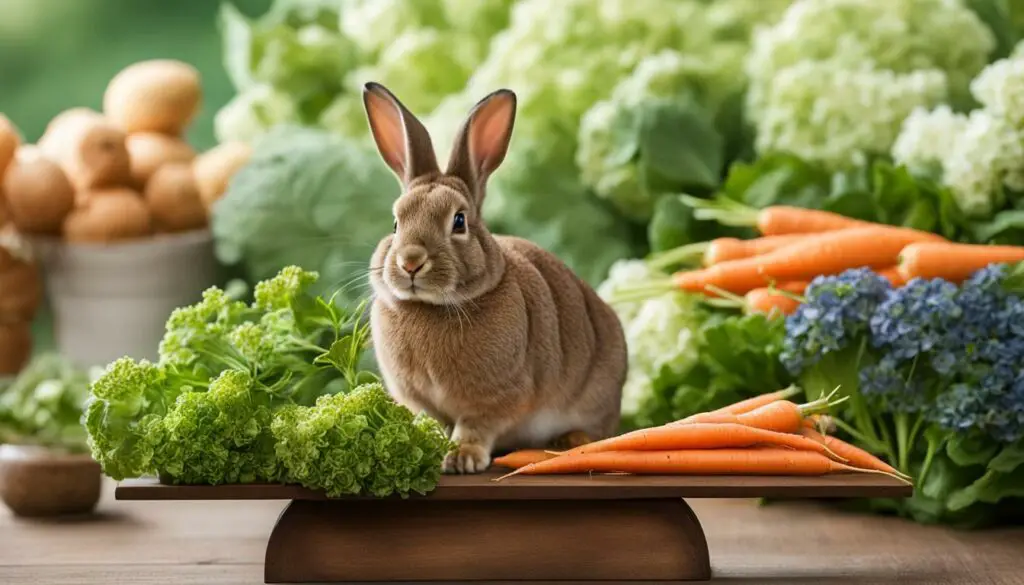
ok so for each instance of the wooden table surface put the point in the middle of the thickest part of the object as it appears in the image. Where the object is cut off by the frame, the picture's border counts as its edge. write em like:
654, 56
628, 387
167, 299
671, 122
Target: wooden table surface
215, 543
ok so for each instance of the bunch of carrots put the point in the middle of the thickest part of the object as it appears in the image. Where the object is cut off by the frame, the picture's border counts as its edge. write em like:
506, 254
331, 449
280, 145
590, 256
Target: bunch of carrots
769, 273
764, 435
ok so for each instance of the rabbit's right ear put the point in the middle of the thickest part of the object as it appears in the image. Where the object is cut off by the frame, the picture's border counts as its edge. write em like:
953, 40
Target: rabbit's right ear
401, 138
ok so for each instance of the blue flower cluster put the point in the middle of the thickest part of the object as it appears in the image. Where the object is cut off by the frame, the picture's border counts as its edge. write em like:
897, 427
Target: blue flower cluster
836, 313
952, 353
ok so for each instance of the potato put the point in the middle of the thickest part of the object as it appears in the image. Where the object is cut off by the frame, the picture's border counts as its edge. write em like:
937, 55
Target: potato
21, 291
15, 346
109, 215
71, 115
10, 140
215, 167
173, 199
160, 95
149, 150
89, 148
39, 195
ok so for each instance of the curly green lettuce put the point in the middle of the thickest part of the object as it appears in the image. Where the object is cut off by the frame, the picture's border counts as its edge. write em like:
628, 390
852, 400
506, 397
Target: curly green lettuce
269, 391
359, 443
125, 404
221, 435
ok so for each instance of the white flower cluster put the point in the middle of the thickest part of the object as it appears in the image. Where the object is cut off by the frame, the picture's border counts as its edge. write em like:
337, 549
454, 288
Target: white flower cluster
978, 154
833, 79
837, 116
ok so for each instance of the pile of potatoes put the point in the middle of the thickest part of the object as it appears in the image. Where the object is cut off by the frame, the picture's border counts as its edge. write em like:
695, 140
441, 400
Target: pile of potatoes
123, 174
102, 178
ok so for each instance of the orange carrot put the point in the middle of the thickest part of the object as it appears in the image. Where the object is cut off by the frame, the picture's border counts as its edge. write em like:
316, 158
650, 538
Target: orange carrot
785, 220
758, 401
697, 436
769, 301
725, 249
892, 274
855, 455
778, 220
953, 262
828, 253
768, 461
781, 416
517, 459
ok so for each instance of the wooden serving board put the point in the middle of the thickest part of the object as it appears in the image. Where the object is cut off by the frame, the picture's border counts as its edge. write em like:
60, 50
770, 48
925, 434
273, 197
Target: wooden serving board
552, 528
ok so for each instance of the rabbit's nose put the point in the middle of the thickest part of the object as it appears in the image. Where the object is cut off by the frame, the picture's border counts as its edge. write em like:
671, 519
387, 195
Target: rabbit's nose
412, 261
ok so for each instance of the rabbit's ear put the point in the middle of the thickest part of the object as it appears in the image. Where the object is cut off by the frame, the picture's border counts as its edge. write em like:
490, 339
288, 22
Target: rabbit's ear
401, 138
481, 144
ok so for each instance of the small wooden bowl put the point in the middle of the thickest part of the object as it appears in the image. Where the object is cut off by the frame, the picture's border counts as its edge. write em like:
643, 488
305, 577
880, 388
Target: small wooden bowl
36, 482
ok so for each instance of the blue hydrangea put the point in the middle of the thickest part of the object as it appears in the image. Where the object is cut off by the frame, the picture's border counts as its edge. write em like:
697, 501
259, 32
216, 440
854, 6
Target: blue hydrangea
992, 404
985, 307
916, 319
891, 387
836, 314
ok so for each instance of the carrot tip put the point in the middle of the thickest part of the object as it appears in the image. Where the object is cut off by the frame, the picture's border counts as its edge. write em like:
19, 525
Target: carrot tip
507, 475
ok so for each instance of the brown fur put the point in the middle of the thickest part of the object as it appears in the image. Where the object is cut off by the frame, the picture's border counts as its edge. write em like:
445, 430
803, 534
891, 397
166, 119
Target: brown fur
493, 336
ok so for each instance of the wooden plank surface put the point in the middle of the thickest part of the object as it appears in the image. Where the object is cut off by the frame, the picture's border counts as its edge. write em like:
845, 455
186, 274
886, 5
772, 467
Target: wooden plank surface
569, 487
223, 543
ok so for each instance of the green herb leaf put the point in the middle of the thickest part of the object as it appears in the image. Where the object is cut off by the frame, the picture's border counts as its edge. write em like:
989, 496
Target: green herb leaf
970, 450
1009, 458
679, 141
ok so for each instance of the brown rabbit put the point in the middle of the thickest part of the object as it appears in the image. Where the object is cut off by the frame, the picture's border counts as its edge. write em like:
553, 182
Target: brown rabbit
492, 335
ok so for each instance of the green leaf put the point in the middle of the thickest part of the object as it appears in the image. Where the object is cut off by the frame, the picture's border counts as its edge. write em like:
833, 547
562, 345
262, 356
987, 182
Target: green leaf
966, 451
990, 489
679, 141
1002, 223
777, 180
1009, 458
674, 225
236, 45
851, 203
743, 352
340, 354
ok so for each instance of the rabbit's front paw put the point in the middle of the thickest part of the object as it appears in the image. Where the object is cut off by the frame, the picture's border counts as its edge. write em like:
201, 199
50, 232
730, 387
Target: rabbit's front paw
467, 458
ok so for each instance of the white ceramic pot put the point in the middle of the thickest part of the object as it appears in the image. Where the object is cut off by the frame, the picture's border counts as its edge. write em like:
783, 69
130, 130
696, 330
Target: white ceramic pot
113, 300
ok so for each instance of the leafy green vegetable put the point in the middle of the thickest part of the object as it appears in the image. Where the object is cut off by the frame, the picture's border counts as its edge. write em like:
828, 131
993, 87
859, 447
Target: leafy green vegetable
360, 442
310, 199
43, 405
262, 392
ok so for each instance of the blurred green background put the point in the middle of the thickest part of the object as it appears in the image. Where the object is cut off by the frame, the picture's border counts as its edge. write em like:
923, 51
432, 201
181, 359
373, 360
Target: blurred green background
58, 54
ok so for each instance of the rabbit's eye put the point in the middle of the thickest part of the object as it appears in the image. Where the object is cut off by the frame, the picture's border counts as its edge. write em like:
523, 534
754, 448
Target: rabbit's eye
459, 225
395, 227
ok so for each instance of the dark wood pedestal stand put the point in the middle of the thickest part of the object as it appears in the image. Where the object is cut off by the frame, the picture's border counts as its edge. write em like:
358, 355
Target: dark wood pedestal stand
553, 528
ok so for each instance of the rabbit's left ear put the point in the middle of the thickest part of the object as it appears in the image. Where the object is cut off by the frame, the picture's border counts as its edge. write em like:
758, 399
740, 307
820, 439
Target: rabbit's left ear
481, 144
401, 138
